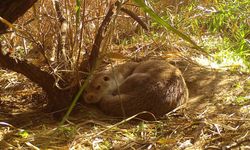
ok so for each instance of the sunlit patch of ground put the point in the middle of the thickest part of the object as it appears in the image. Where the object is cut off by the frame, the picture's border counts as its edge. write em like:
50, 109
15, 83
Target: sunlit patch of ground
216, 117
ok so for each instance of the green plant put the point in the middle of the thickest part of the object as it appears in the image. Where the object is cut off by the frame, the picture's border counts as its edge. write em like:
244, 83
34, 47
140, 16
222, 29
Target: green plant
223, 27
23, 133
165, 24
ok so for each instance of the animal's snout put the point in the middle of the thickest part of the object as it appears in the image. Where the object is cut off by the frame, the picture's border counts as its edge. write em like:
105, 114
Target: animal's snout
90, 98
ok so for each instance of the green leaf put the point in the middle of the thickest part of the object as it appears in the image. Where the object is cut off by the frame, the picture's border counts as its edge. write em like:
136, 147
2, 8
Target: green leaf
159, 20
23, 133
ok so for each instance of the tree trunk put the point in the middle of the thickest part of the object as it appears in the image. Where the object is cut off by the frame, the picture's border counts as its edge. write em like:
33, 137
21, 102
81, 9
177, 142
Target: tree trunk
12, 9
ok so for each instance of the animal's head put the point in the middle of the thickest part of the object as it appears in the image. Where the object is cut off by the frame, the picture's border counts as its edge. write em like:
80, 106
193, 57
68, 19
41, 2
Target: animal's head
100, 85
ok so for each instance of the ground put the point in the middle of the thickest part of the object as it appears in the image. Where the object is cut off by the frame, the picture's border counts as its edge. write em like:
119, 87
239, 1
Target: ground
216, 117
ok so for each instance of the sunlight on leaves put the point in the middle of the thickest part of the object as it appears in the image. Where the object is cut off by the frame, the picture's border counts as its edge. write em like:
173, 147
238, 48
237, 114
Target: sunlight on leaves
23, 133
159, 20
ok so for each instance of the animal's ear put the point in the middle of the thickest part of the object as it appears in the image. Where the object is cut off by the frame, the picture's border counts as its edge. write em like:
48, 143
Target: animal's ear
106, 78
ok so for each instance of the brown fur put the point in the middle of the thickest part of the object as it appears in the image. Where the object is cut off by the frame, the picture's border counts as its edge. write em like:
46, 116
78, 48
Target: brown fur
154, 86
106, 82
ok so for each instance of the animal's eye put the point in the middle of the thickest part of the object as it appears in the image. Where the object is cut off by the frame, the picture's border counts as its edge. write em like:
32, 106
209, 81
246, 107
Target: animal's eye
98, 87
105, 78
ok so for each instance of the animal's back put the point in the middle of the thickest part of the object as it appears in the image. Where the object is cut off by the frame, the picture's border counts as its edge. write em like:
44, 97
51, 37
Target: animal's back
154, 86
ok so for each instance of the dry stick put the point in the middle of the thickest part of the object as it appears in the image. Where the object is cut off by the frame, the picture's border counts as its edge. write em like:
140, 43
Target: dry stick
10, 25
28, 36
62, 42
63, 29
34, 73
57, 98
135, 17
238, 142
99, 37
29, 70
12, 10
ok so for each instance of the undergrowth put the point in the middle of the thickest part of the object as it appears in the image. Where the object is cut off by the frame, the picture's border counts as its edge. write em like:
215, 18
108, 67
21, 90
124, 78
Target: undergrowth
221, 27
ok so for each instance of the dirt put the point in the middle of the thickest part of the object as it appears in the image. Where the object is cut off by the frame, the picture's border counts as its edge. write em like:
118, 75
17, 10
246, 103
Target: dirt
213, 118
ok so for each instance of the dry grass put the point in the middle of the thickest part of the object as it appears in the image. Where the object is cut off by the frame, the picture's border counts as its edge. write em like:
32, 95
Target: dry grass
212, 120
